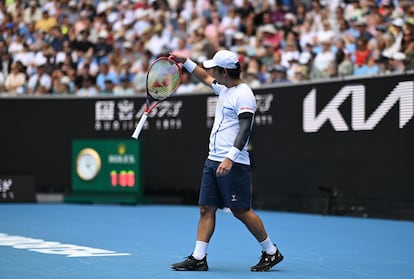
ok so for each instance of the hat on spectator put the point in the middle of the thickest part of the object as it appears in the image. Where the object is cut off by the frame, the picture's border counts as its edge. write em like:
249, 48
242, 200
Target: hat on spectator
103, 34
386, 3
410, 20
65, 80
277, 68
291, 17
324, 38
381, 27
399, 22
140, 13
304, 58
127, 44
83, 13
398, 56
224, 59
239, 36
360, 21
269, 28
252, 71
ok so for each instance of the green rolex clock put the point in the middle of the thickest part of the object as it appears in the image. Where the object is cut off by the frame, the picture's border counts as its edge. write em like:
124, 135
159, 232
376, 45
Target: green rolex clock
88, 164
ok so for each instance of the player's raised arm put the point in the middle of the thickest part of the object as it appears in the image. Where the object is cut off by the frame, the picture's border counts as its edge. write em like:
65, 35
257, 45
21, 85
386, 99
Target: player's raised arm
194, 69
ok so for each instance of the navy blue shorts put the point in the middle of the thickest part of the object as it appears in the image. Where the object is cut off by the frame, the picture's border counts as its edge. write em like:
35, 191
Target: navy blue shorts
232, 190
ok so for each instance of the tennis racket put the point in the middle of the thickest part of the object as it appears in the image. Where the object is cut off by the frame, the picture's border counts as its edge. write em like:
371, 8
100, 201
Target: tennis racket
163, 78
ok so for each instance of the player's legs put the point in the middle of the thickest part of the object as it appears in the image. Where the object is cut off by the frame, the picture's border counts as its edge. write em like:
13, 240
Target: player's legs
236, 191
209, 200
207, 223
253, 222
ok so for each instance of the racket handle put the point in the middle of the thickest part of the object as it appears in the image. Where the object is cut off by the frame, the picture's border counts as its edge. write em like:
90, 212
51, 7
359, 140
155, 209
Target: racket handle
140, 125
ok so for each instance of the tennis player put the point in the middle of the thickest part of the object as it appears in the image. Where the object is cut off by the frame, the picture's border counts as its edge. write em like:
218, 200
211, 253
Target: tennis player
226, 179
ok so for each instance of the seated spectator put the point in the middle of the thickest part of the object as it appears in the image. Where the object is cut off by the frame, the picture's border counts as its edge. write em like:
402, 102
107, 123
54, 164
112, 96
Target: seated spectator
362, 52
346, 66
64, 86
88, 88
39, 83
32, 13
16, 80
324, 59
277, 74
102, 47
104, 75
397, 63
109, 87
186, 85
6, 61
46, 22
124, 88
252, 78
368, 69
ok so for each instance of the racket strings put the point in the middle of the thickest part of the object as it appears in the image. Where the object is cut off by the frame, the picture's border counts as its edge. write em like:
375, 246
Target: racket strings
163, 79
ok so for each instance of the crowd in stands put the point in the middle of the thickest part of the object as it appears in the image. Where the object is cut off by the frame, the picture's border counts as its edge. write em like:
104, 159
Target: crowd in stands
97, 47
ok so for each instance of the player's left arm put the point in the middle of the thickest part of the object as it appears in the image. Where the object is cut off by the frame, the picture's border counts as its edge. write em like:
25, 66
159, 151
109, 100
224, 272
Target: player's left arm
245, 123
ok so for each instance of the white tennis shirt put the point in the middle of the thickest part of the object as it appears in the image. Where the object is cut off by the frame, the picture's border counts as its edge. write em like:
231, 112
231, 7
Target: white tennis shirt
231, 102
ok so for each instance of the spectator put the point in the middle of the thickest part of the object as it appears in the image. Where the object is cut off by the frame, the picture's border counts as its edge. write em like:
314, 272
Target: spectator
182, 48
324, 59
362, 52
200, 47
241, 43
346, 66
46, 22
88, 88
16, 44
39, 83
124, 88
104, 75
159, 42
277, 74
32, 13
252, 78
57, 38
2, 82
103, 47
6, 61
16, 80
186, 85
61, 83
140, 77
397, 63
109, 87
82, 74
82, 43
368, 68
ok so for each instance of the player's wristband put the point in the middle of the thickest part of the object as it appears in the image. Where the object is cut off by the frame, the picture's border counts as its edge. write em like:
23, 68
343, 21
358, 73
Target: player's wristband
189, 65
233, 153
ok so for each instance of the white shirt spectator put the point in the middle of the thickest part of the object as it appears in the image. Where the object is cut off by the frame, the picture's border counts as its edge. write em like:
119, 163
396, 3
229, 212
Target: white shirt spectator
34, 82
323, 60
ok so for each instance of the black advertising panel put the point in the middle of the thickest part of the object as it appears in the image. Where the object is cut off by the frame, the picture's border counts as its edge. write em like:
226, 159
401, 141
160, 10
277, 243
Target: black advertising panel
17, 188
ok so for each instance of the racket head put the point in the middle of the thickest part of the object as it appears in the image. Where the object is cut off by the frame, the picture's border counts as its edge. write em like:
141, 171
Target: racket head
163, 78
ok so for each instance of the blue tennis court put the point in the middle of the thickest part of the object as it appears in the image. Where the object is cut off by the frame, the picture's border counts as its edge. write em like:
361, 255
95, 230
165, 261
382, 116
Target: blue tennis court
58, 240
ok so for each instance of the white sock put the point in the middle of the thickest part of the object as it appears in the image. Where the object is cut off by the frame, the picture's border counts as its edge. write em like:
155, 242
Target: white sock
268, 246
200, 250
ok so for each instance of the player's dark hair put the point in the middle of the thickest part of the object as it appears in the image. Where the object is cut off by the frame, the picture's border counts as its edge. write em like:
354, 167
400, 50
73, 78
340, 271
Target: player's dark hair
233, 73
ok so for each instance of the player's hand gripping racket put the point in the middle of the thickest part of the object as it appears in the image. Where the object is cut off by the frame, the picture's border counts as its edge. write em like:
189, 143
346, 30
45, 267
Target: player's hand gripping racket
163, 78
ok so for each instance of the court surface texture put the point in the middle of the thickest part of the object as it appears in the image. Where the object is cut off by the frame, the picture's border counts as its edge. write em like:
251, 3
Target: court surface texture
60, 240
